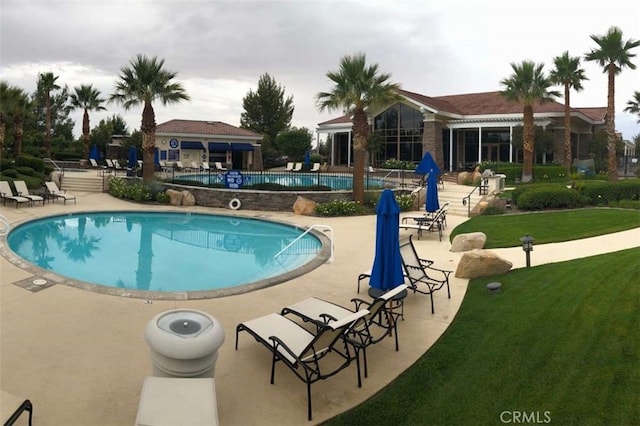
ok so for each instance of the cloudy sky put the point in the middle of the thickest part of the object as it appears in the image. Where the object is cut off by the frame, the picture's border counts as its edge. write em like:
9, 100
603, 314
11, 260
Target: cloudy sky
221, 48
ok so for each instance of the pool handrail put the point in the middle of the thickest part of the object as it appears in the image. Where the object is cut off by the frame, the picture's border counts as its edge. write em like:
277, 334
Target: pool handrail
5, 226
312, 227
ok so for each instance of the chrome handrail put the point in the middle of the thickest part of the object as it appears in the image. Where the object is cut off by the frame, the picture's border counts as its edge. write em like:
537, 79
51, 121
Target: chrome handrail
466, 201
5, 226
49, 160
312, 227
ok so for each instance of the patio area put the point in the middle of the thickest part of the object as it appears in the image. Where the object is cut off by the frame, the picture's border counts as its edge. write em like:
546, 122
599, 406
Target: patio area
81, 358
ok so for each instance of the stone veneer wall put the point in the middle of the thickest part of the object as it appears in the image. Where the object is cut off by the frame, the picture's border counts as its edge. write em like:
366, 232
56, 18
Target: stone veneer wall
256, 200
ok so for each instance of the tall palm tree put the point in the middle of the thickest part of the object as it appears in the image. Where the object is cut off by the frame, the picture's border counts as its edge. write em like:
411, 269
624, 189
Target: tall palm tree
88, 99
14, 104
613, 54
141, 82
567, 72
633, 106
358, 86
528, 85
47, 84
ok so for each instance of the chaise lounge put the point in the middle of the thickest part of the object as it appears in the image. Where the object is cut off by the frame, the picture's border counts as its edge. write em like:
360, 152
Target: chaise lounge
302, 351
6, 193
23, 191
55, 192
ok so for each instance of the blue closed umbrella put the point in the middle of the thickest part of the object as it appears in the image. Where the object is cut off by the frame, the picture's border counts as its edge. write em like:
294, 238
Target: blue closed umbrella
94, 154
429, 167
307, 159
156, 157
133, 158
386, 273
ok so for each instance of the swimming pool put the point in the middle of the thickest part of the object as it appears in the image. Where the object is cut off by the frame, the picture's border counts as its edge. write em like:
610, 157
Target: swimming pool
140, 254
301, 179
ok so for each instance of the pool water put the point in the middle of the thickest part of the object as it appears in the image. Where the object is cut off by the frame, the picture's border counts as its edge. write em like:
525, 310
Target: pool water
163, 252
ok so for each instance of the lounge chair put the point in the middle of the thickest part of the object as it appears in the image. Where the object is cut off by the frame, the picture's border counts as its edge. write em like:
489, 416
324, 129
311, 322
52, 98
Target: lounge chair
99, 169
422, 276
435, 223
297, 167
302, 351
23, 191
427, 216
205, 166
194, 166
315, 167
6, 193
13, 407
178, 165
140, 164
56, 193
117, 166
110, 163
289, 167
220, 167
380, 317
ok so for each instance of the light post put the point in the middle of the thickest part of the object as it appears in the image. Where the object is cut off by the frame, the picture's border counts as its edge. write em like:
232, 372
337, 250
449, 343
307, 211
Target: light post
527, 246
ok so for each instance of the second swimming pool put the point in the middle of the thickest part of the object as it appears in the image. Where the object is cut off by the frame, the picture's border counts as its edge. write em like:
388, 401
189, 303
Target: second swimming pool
166, 252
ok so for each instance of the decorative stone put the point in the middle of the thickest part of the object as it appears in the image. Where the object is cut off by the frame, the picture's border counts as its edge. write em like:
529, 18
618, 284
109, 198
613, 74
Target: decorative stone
494, 287
468, 241
188, 199
462, 177
304, 206
175, 197
481, 263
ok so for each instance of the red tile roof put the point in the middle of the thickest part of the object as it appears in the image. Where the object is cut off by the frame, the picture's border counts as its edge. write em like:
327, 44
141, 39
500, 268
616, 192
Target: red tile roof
208, 128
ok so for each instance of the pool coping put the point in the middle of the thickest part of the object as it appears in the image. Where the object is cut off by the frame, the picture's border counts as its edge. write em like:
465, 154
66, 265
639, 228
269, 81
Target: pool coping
53, 278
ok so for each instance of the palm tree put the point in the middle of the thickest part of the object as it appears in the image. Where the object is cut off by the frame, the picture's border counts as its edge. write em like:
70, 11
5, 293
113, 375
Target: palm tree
528, 85
567, 72
87, 98
357, 88
14, 104
143, 82
47, 84
633, 106
613, 54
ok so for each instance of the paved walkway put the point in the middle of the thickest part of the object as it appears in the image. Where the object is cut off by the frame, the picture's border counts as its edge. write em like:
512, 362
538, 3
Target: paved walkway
81, 357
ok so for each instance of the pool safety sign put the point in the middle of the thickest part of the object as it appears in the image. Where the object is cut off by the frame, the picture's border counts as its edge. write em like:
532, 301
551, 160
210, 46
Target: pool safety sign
233, 179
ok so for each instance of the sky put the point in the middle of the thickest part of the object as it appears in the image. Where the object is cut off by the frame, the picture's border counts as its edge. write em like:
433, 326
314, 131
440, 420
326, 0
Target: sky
221, 48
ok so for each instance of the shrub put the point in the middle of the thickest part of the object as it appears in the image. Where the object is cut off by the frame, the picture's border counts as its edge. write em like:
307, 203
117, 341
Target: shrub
129, 189
339, 208
162, 198
405, 201
606, 193
30, 162
392, 163
27, 171
12, 173
548, 197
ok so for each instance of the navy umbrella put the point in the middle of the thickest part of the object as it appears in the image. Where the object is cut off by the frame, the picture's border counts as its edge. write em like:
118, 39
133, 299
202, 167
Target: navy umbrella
94, 154
386, 273
429, 167
133, 158
307, 159
156, 157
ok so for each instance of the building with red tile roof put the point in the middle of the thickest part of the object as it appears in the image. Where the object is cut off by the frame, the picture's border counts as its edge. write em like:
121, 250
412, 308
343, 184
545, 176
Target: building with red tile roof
461, 130
208, 141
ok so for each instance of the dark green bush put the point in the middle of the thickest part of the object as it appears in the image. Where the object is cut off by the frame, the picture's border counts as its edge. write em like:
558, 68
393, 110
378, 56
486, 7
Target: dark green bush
12, 173
129, 189
162, 198
548, 197
605, 192
27, 171
32, 162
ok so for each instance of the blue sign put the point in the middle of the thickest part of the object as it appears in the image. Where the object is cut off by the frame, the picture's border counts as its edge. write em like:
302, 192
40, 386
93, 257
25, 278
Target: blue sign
233, 179
173, 143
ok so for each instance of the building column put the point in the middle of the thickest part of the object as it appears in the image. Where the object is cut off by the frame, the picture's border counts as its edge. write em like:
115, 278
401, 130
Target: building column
432, 139
451, 150
511, 144
479, 144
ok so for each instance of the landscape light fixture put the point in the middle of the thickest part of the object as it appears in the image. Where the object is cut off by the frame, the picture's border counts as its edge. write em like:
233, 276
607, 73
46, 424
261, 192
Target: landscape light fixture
527, 246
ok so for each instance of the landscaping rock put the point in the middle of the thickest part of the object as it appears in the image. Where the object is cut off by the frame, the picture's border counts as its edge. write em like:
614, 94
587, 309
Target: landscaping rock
188, 199
463, 177
175, 197
304, 206
481, 263
469, 241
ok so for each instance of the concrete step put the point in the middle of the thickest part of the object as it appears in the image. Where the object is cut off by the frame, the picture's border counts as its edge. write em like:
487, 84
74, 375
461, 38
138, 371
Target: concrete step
81, 184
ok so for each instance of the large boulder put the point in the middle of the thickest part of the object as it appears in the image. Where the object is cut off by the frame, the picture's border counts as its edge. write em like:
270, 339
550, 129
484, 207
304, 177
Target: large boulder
175, 197
468, 241
188, 199
463, 177
481, 263
304, 206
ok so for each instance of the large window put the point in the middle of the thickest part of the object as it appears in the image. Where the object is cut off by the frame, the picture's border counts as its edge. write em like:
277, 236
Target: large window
400, 130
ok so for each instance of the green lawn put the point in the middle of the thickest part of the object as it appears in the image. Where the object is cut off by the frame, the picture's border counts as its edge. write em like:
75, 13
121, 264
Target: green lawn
560, 343
547, 227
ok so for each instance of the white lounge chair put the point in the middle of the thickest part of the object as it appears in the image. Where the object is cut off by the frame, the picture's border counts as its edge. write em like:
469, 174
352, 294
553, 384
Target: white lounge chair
297, 167
56, 193
289, 167
23, 191
99, 169
435, 223
219, 166
205, 166
194, 166
380, 317
6, 193
315, 167
178, 165
302, 351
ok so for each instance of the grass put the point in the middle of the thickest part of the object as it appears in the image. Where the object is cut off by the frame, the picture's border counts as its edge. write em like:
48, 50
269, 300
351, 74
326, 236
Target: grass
559, 343
546, 227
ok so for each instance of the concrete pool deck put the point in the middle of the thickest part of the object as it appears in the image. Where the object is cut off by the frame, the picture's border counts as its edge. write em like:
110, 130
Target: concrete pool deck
81, 358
